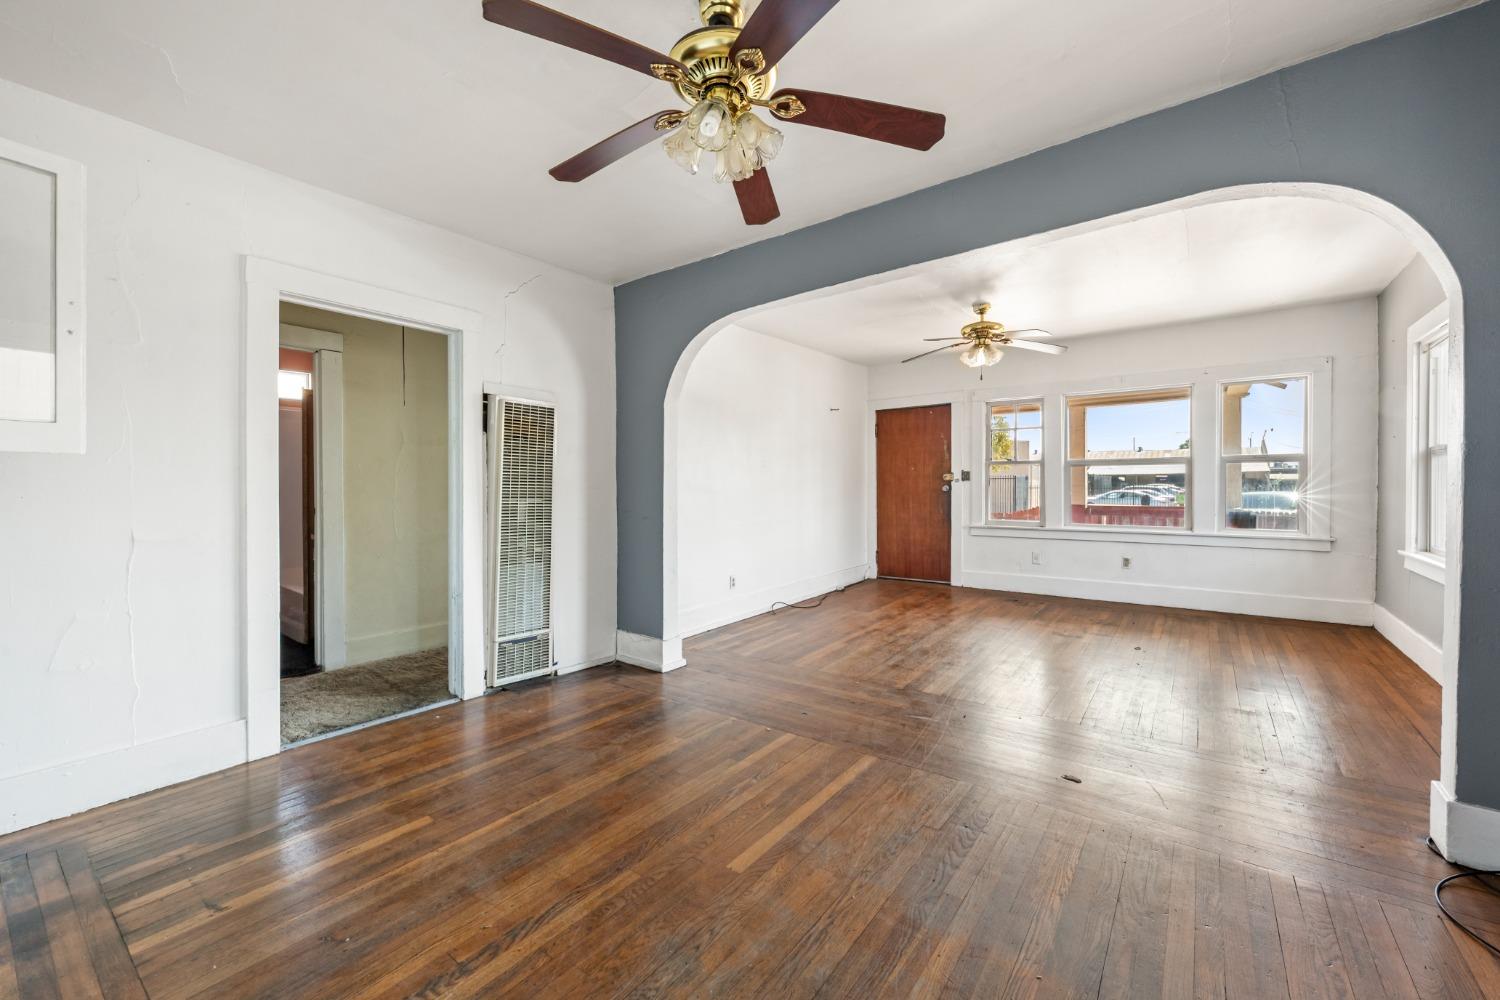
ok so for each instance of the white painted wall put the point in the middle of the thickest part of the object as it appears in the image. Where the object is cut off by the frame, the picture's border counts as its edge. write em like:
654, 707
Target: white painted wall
120, 568
1413, 600
771, 487
1336, 585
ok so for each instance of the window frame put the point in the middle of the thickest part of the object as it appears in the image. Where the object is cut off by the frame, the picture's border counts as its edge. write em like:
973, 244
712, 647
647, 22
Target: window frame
1303, 459
1068, 464
1040, 462
1418, 555
64, 434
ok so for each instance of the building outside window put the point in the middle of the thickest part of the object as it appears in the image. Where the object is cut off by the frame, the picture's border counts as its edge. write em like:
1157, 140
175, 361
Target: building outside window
1263, 451
1128, 458
1013, 485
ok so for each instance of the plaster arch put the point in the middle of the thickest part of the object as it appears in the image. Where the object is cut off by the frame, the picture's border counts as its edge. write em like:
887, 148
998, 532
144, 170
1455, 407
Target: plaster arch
1401, 221
1406, 123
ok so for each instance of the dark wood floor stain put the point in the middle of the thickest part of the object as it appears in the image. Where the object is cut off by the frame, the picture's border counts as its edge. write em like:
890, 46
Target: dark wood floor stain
861, 800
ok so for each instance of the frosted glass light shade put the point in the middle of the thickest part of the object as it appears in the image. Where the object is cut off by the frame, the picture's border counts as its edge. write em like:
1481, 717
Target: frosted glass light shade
742, 145
710, 125
760, 141
981, 356
683, 150
732, 164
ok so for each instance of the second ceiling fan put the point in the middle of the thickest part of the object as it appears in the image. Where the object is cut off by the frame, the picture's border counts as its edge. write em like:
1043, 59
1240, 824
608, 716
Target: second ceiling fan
722, 70
983, 341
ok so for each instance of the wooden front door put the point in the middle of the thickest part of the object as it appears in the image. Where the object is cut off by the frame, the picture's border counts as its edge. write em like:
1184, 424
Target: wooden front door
913, 503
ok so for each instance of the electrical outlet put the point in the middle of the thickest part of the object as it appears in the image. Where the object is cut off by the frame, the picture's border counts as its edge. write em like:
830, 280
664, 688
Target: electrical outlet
1124, 562
731, 583
1036, 559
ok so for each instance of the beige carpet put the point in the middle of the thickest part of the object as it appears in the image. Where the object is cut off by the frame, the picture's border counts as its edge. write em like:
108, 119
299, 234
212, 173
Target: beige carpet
338, 699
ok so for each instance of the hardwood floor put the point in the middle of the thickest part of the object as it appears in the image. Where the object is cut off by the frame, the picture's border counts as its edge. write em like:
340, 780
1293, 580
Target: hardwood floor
866, 799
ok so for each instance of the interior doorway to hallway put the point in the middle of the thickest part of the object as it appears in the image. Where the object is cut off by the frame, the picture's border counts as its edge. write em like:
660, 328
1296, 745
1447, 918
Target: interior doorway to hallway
364, 520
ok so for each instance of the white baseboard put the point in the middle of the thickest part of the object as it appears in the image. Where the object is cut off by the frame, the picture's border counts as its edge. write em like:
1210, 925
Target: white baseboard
1418, 648
383, 645
647, 651
592, 661
1465, 834
706, 617
1316, 609
64, 789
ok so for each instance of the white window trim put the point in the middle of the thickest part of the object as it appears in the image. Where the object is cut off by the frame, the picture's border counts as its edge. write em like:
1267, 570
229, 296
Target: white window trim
1040, 462
1432, 327
1206, 480
1068, 464
1304, 458
65, 434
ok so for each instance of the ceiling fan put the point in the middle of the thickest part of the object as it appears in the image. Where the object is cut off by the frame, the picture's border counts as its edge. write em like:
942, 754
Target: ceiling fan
722, 70
982, 341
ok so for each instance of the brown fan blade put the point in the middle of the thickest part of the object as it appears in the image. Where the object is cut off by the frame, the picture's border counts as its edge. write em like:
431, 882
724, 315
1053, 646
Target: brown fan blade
1030, 333
946, 347
777, 25
543, 22
1028, 345
601, 155
870, 119
757, 200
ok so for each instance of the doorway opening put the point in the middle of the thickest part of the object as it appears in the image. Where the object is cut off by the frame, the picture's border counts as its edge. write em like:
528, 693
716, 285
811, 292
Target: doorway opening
364, 452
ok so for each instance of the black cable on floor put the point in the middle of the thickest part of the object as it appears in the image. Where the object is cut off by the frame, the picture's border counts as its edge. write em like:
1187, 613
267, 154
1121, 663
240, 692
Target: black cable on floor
816, 602
1437, 894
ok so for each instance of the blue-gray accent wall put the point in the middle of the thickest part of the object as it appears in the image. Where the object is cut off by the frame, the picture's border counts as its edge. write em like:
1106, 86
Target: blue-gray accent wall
1412, 118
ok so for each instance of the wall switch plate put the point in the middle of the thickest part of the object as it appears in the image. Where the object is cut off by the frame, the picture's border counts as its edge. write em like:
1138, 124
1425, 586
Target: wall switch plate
1124, 562
1036, 559
731, 583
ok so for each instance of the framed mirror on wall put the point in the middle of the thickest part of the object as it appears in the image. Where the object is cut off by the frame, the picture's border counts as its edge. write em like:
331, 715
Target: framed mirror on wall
41, 301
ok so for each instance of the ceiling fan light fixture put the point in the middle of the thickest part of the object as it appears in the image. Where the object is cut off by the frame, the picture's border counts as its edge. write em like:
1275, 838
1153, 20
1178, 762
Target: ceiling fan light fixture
760, 141
710, 124
682, 150
733, 164
992, 354
754, 145
973, 356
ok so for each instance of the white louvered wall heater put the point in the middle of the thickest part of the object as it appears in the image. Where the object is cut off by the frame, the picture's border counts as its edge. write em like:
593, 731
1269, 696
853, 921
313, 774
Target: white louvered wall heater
519, 438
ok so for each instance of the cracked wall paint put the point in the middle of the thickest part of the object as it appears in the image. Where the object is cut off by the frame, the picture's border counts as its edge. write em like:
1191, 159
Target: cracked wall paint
121, 584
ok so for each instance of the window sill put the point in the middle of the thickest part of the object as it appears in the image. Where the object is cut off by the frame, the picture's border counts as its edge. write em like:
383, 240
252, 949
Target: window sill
1426, 564
1160, 536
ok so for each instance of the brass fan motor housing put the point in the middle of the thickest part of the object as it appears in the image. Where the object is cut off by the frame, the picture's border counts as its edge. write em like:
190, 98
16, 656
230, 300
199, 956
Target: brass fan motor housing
705, 53
983, 331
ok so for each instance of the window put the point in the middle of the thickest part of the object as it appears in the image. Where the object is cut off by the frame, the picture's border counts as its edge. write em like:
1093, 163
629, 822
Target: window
41, 302
291, 385
1013, 483
1263, 451
1427, 410
1128, 456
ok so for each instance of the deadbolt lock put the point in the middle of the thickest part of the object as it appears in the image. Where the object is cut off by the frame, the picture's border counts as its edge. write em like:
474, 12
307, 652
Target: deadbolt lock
947, 477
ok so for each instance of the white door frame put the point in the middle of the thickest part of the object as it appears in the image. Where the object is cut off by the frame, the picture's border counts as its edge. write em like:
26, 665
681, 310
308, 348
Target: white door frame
327, 601
268, 284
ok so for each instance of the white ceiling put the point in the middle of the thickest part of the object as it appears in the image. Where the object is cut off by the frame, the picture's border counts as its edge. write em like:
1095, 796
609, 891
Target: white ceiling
1187, 264
427, 109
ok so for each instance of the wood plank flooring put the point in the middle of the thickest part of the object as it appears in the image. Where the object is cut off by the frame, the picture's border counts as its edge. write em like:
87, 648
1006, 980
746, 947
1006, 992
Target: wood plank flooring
865, 799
